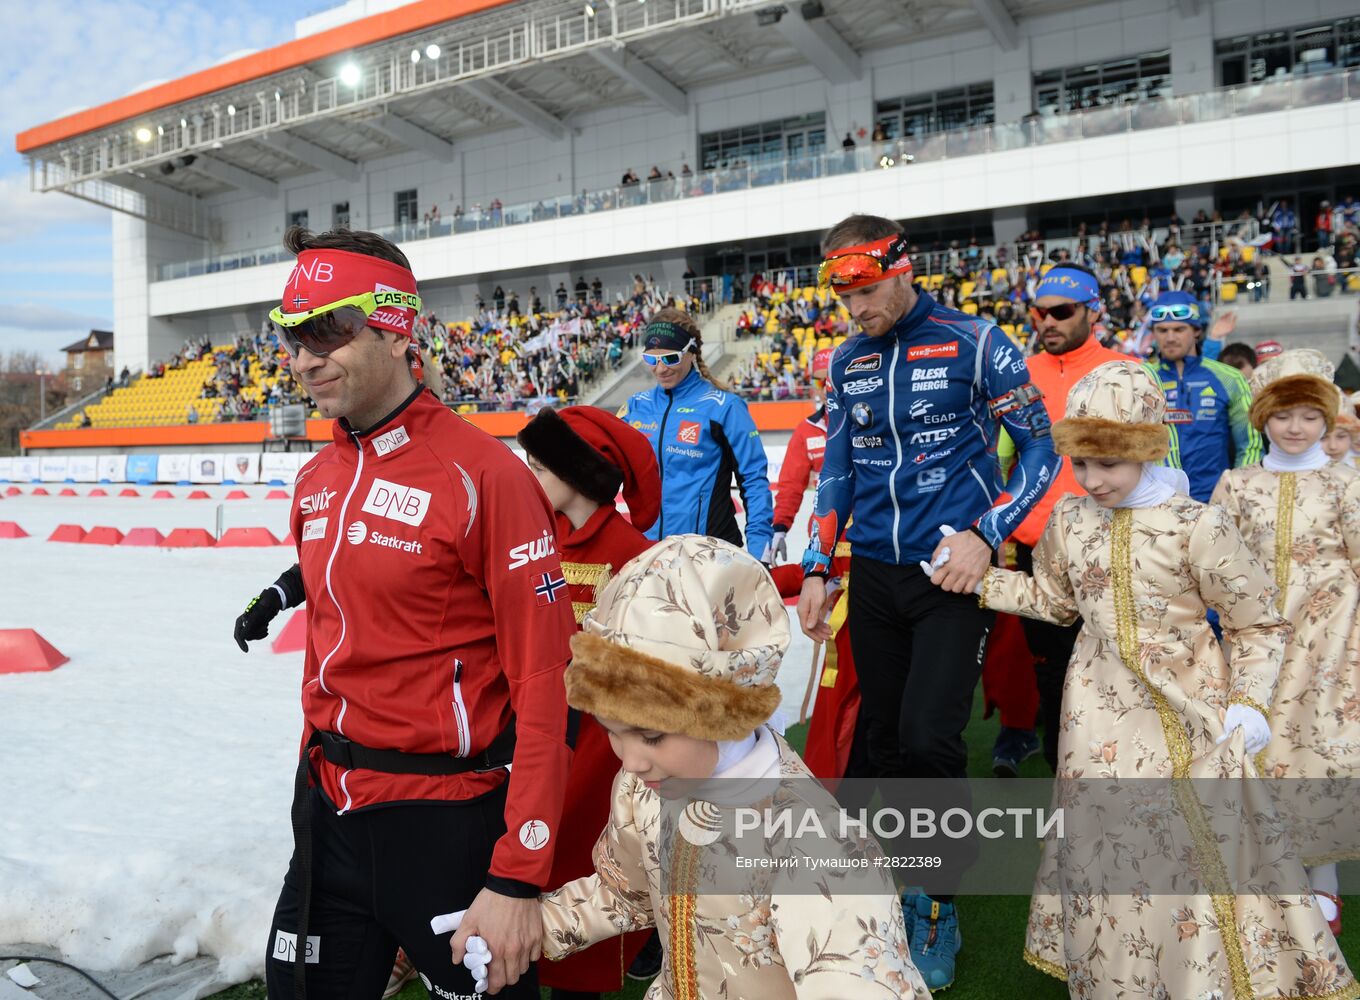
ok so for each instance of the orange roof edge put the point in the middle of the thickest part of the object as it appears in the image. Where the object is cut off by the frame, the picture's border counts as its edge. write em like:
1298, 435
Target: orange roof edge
365, 31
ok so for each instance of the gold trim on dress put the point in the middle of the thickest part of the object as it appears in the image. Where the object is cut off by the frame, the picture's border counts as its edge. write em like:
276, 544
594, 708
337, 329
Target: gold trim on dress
684, 876
1240, 699
1284, 535
988, 579
1044, 965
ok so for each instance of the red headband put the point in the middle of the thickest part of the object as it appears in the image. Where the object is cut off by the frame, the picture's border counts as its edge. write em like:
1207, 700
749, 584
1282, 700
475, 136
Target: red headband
890, 252
321, 277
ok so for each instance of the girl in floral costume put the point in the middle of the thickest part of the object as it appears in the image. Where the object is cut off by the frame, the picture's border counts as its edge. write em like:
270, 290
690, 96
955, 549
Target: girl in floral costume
1300, 514
677, 661
1149, 695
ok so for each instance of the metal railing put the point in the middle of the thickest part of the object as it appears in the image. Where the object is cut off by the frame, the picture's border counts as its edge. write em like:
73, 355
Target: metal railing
1092, 123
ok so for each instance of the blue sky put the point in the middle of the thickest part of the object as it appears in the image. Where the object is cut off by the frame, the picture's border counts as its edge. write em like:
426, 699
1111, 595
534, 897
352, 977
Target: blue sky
56, 274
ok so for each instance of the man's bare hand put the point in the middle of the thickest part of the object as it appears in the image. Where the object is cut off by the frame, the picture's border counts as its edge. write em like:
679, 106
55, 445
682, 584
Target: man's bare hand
812, 607
512, 928
969, 557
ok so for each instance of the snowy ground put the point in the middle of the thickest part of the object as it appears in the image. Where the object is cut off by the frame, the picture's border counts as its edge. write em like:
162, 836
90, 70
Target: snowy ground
147, 782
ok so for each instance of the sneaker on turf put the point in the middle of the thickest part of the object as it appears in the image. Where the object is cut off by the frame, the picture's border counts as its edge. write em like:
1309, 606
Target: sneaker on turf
647, 965
402, 973
935, 940
1013, 746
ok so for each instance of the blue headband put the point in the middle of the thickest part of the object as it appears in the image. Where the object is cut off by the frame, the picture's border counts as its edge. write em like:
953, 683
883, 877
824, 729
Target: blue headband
1069, 283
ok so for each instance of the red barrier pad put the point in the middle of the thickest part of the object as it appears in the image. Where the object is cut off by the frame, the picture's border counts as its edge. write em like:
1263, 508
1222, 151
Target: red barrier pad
277, 495
98, 493
8, 529
162, 495
142, 536
189, 538
40, 492
68, 492
14, 491
103, 535
238, 495
199, 495
288, 539
293, 638
67, 533
129, 492
24, 651
246, 538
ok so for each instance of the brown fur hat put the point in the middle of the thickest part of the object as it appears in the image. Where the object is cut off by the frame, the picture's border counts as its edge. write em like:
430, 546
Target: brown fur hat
687, 638
1114, 411
1301, 377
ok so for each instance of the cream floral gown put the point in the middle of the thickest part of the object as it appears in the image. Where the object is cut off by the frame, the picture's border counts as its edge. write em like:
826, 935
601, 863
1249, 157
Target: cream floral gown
1144, 698
1306, 525
825, 944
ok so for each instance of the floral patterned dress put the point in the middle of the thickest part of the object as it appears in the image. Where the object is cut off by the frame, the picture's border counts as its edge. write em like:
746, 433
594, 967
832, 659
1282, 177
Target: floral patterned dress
1306, 525
1144, 698
756, 945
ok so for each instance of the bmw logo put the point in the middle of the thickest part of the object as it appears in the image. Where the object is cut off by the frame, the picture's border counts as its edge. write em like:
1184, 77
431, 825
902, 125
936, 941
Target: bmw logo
861, 414
357, 532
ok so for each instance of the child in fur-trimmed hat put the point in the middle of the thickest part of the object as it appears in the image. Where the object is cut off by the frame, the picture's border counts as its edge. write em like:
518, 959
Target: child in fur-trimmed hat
677, 662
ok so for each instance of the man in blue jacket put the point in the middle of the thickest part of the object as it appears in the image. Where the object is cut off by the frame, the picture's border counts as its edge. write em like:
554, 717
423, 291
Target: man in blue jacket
1206, 401
915, 404
704, 437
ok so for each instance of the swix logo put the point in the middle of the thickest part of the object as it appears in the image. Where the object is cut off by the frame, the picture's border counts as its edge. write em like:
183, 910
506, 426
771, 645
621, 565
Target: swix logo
868, 363
400, 503
523, 555
318, 271
387, 443
391, 317
317, 502
949, 350
689, 432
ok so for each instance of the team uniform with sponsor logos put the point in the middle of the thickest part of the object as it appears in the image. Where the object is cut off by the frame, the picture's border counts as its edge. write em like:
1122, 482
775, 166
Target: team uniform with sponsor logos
1207, 403
913, 419
703, 437
436, 610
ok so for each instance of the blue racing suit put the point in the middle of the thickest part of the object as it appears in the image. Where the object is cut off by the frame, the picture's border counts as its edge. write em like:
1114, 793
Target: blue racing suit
1208, 404
703, 437
913, 419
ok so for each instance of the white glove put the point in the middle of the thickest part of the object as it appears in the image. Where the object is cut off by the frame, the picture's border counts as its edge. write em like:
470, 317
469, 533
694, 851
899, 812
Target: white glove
929, 568
476, 954
776, 549
1253, 724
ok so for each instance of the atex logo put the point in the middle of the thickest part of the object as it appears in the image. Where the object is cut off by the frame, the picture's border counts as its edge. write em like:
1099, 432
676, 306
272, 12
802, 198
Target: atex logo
523, 555
317, 502
400, 503
356, 533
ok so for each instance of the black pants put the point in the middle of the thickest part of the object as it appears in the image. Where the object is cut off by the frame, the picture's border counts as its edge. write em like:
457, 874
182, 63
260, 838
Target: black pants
1052, 648
377, 878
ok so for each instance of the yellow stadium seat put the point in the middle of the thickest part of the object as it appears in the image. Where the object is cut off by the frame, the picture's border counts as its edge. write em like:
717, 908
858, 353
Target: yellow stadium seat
970, 308
1248, 254
1138, 275
1228, 292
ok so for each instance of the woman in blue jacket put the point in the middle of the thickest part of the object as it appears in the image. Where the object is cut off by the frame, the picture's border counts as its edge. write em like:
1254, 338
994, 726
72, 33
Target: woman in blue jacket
703, 437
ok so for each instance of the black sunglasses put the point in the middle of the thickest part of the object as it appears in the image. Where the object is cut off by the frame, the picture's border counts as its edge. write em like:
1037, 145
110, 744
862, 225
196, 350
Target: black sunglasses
323, 334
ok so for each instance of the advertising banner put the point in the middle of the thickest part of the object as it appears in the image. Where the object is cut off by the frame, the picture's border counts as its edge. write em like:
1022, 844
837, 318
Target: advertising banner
54, 468
205, 468
84, 468
142, 468
241, 468
112, 468
172, 468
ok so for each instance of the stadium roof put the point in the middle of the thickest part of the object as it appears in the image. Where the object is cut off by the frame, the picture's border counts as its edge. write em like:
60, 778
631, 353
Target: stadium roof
428, 74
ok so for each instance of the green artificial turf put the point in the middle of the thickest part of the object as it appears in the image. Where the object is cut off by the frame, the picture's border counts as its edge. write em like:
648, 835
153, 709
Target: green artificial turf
993, 927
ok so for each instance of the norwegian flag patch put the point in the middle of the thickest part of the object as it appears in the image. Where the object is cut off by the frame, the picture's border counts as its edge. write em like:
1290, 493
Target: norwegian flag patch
549, 584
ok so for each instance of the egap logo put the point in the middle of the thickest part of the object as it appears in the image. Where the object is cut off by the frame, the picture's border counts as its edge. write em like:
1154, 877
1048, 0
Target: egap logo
949, 350
868, 363
400, 503
688, 433
317, 502
920, 407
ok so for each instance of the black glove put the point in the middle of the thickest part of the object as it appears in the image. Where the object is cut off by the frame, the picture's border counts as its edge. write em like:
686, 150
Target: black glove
254, 621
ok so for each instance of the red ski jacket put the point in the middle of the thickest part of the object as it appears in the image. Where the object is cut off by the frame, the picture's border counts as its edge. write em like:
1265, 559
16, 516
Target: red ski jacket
802, 458
436, 607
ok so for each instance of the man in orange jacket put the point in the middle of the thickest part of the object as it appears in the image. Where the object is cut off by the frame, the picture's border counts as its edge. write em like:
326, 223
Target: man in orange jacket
1066, 304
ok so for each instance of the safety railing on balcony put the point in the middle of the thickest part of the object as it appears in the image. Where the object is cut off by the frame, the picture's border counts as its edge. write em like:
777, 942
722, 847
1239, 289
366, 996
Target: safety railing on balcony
1301, 92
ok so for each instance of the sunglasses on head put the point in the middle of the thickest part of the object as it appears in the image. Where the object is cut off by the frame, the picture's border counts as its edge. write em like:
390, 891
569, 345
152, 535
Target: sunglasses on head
1059, 312
1178, 313
332, 326
855, 266
670, 358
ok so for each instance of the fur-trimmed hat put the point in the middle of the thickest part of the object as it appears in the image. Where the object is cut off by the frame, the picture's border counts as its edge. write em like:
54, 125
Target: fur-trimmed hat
1114, 411
594, 452
1301, 377
687, 638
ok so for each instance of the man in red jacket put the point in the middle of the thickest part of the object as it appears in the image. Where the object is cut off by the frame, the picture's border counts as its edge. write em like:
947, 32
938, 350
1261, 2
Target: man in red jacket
438, 623
1066, 304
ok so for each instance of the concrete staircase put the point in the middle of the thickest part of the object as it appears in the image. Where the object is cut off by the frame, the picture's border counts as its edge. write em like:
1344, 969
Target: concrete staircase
1324, 324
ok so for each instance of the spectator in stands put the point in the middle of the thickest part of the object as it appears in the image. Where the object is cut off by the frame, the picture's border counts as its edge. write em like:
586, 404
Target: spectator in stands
1207, 401
1240, 356
582, 290
498, 299
561, 294
1283, 222
85, 420
191, 415
597, 289
124, 377
1323, 225
1298, 280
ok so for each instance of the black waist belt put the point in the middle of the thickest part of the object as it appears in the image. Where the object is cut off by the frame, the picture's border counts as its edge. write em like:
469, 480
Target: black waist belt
348, 754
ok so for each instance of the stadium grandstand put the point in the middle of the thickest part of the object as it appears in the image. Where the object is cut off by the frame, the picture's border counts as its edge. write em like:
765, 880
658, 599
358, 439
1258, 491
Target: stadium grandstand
558, 169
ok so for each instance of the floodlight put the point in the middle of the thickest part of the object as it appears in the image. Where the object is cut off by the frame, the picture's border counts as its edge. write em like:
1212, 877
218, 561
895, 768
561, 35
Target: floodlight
350, 74
432, 51
415, 55
143, 134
